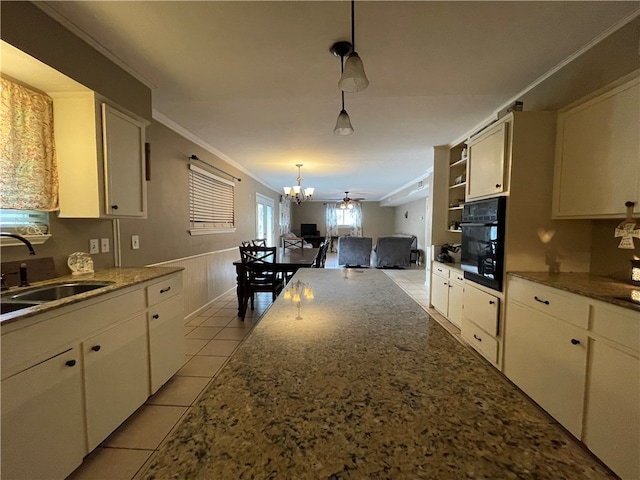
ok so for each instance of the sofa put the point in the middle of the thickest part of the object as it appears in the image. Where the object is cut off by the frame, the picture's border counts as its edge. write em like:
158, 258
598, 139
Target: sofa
394, 251
354, 251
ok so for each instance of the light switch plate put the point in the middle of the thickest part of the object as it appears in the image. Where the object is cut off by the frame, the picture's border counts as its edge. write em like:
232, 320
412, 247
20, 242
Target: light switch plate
104, 243
94, 246
135, 242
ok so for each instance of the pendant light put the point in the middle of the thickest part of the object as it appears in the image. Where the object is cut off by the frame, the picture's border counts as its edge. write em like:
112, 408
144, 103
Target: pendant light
353, 78
343, 124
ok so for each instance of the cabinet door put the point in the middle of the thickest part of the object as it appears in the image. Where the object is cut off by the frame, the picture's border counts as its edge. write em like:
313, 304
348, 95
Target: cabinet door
440, 294
481, 308
598, 155
547, 359
116, 377
612, 426
487, 157
166, 340
124, 165
456, 291
42, 421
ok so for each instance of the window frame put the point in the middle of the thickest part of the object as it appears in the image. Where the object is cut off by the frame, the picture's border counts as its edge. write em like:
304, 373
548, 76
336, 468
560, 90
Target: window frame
340, 212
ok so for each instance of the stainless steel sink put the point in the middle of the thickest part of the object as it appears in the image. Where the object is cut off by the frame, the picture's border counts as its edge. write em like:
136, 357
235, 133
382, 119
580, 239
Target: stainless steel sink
54, 291
12, 306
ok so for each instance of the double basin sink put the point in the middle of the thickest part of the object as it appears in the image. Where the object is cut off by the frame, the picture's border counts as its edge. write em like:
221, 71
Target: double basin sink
11, 302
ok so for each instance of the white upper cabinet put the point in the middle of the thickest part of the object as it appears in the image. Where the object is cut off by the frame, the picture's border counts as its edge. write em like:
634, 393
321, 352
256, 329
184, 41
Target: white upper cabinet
487, 162
101, 163
597, 167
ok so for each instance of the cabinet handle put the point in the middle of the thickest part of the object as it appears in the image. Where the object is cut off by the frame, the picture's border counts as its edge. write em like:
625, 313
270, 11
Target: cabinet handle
164, 290
491, 302
477, 337
575, 341
156, 316
96, 348
498, 185
546, 302
70, 363
115, 207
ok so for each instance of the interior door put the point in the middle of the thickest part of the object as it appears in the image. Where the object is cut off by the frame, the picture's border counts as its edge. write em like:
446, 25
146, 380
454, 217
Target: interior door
265, 219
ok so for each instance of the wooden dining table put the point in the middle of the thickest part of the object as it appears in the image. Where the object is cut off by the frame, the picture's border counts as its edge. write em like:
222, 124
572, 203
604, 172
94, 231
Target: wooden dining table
287, 261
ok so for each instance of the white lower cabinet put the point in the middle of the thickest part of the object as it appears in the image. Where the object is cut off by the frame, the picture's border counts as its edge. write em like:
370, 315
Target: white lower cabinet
480, 321
547, 359
116, 370
447, 285
166, 349
42, 424
71, 376
579, 359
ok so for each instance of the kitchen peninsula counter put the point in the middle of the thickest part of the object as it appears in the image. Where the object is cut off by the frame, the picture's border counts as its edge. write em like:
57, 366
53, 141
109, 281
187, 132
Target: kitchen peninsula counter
604, 289
355, 380
122, 277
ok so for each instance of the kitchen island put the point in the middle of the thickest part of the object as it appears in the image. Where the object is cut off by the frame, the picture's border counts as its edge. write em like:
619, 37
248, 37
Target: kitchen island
355, 380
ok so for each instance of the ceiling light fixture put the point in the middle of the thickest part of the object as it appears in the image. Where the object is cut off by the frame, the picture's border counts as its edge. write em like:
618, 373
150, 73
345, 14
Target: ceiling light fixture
343, 124
353, 78
297, 193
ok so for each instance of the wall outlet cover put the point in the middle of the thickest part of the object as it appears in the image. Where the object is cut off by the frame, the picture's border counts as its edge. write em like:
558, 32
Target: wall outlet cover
104, 243
135, 242
94, 246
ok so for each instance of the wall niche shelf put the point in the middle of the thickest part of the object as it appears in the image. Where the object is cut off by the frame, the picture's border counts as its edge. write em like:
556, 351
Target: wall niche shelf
457, 186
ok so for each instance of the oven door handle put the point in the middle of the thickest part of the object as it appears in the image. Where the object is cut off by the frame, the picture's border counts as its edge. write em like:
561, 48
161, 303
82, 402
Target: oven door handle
473, 224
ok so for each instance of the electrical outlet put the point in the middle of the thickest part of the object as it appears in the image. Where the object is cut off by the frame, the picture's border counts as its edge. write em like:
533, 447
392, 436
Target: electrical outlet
94, 246
135, 242
104, 243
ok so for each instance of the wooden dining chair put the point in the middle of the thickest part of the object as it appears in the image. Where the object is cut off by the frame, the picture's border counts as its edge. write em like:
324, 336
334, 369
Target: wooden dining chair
259, 242
258, 277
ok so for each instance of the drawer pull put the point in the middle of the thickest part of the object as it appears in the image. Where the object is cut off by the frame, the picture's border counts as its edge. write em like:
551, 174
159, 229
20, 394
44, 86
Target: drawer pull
115, 207
477, 337
70, 363
156, 316
165, 290
575, 341
491, 302
546, 302
498, 185
96, 348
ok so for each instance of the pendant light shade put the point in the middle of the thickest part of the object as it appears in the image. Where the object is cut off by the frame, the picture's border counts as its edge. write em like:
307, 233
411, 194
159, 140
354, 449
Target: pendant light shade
353, 78
343, 124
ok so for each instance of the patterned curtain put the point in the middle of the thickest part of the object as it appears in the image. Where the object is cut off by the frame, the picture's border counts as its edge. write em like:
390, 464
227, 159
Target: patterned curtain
28, 168
356, 228
332, 219
285, 215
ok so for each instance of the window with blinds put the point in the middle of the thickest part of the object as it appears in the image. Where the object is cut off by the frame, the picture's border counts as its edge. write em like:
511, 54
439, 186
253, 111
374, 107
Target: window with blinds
211, 203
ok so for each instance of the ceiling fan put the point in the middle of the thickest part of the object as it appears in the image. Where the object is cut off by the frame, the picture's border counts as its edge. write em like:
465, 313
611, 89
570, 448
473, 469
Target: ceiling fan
347, 202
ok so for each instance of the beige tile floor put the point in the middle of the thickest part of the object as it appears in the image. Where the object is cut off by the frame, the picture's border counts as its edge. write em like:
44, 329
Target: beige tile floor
210, 339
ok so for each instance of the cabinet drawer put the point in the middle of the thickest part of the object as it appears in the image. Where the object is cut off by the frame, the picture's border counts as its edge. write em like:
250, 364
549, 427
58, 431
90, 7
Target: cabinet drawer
441, 271
558, 304
480, 340
481, 308
164, 289
618, 324
456, 277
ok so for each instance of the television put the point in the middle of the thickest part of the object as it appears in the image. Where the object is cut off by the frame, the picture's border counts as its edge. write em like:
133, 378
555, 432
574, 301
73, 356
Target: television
309, 229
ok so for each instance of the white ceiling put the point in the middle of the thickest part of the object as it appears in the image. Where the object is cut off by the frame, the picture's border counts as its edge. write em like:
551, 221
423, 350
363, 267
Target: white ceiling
256, 83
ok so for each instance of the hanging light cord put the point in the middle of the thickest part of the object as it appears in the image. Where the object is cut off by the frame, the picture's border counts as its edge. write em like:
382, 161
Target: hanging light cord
341, 72
353, 24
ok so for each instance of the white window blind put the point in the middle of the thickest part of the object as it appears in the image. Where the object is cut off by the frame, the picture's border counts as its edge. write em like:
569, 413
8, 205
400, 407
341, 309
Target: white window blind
211, 199
24, 222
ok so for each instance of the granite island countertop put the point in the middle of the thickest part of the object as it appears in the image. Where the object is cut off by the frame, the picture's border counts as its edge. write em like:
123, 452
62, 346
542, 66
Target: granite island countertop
604, 289
122, 277
358, 382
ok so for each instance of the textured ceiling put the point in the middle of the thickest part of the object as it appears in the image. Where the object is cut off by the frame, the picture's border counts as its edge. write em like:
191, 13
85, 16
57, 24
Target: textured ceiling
255, 81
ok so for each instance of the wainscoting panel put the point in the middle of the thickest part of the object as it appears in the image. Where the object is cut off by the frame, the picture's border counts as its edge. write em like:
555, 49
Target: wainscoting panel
206, 277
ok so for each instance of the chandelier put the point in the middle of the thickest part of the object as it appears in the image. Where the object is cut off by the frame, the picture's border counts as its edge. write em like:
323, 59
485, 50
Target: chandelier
297, 193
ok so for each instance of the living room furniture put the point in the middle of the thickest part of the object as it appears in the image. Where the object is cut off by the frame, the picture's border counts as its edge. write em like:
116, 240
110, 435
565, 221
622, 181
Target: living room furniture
393, 252
354, 251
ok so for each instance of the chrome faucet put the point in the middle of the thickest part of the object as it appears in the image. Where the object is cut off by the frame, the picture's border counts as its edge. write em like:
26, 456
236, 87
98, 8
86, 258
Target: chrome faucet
22, 239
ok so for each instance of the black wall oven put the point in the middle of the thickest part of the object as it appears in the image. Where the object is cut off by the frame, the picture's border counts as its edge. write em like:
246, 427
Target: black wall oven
482, 250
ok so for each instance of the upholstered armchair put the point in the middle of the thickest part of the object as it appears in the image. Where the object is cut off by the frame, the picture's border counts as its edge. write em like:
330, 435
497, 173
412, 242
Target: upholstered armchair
393, 252
354, 251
